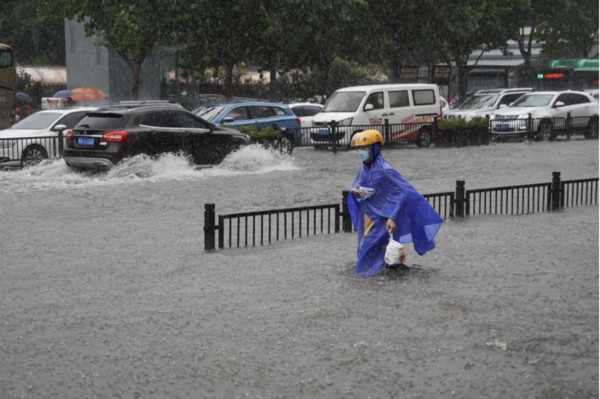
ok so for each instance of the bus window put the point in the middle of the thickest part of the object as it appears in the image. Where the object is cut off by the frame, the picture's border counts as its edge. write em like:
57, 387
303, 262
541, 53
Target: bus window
8, 82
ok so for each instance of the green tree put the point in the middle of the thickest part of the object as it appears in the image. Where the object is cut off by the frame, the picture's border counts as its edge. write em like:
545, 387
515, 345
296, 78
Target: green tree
402, 31
132, 29
571, 31
524, 20
221, 34
35, 38
464, 26
325, 30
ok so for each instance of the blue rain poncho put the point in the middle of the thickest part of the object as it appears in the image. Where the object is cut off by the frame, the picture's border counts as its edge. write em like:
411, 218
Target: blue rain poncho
393, 197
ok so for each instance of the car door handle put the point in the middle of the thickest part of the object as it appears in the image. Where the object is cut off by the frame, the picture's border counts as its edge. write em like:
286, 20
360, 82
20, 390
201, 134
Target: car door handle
390, 114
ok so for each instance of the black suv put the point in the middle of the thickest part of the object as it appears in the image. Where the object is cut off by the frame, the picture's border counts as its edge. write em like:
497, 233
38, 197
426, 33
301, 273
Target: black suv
105, 137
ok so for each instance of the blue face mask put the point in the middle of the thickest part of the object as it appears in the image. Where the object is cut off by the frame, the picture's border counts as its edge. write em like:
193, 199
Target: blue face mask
363, 155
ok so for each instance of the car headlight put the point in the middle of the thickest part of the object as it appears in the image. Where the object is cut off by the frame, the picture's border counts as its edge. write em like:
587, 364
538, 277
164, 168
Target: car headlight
345, 122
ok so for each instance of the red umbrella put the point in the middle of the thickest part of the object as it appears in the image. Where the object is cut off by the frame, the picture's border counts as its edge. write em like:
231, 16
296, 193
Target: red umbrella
87, 94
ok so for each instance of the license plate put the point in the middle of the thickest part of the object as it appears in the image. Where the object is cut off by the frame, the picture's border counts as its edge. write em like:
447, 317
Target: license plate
85, 141
323, 131
501, 126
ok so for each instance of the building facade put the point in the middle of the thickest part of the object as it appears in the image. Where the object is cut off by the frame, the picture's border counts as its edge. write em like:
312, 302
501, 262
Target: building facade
96, 66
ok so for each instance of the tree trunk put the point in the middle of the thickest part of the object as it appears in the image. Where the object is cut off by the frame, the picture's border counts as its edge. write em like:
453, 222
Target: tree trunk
228, 82
526, 72
463, 73
274, 64
136, 69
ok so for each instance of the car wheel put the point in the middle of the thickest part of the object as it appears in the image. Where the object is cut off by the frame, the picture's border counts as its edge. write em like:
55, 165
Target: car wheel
424, 139
33, 155
286, 145
545, 131
591, 131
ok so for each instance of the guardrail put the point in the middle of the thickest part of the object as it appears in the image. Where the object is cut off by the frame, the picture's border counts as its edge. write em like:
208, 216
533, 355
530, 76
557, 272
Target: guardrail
543, 128
250, 229
31, 150
253, 228
334, 137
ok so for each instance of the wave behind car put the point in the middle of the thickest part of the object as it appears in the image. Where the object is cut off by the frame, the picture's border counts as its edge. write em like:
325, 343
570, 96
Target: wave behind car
51, 174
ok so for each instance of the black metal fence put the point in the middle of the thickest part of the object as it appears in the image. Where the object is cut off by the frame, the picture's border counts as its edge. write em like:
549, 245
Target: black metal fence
502, 126
31, 150
333, 136
257, 228
510, 200
262, 227
578, 192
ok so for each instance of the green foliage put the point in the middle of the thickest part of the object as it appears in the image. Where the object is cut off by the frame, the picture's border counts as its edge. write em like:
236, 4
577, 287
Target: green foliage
265, 133
478, 122
36, 38
132, 29
460, 123
333, 42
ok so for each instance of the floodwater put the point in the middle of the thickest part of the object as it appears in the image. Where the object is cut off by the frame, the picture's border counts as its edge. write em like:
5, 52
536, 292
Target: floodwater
107, 292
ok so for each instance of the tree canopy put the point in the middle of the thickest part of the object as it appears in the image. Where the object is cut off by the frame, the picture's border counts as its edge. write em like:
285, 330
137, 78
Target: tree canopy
315, 37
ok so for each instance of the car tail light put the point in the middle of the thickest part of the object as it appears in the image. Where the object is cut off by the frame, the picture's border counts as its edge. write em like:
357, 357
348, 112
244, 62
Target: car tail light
300, 121
115, 137
69, 135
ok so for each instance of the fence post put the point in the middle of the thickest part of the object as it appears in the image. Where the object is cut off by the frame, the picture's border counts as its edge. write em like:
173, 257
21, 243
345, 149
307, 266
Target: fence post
529, 133
568, 123
555, 192
346, 220
333, 142
435, 130
387, 137
460, 198
209, 227
60, 143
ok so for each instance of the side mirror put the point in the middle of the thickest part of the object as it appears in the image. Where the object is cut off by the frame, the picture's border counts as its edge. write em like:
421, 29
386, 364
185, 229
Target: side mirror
59, 128
559, 104
369, 107
228, 119
502, 106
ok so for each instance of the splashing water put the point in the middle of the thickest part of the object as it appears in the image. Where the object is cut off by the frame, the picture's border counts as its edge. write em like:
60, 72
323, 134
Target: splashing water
253, 159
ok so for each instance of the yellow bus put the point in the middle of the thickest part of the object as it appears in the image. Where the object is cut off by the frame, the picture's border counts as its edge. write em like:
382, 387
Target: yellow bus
8, 83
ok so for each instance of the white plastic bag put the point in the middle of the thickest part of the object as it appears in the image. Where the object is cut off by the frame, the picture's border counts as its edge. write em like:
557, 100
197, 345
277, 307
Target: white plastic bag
364, 192
394, 252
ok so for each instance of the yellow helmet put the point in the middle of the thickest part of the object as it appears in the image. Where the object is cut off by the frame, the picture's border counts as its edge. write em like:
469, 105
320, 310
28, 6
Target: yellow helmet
367, 137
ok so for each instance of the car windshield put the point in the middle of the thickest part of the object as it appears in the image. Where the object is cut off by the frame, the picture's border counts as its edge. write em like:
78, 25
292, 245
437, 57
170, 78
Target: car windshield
479, 101
209, 112
344, 101
40, 120
533, 100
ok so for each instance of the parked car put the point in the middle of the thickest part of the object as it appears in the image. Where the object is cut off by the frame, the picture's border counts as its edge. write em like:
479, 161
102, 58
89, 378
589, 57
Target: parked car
544, 115
483, 103
105, 137
305, 111
593, 93
408, 108
33, 139
244, 113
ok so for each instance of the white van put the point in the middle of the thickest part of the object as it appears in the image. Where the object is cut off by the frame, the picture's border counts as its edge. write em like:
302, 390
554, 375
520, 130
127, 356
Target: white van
408, 108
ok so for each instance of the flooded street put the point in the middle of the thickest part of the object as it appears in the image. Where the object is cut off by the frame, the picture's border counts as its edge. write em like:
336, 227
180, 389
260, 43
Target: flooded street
108, 293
